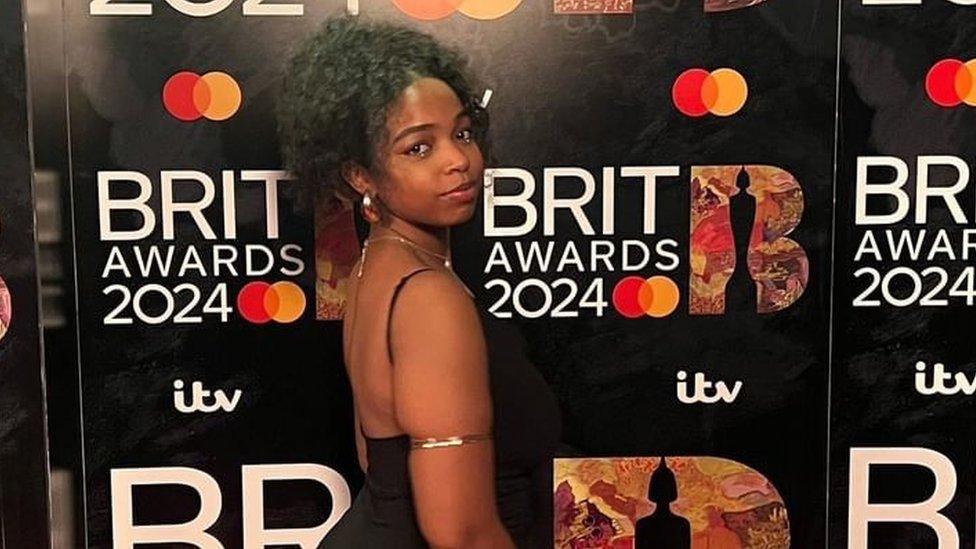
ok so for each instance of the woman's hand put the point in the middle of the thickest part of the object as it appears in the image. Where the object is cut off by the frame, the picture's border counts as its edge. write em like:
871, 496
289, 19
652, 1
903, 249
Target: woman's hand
441, 389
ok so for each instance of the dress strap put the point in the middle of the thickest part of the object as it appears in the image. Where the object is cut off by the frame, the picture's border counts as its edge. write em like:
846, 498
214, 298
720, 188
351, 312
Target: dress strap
389, 314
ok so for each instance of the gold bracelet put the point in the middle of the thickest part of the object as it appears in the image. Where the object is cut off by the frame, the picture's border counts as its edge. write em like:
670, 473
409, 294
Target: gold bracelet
429, 443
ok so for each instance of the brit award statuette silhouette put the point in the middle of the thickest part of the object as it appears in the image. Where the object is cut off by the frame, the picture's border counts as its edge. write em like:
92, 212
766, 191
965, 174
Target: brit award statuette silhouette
662, 529
741, 290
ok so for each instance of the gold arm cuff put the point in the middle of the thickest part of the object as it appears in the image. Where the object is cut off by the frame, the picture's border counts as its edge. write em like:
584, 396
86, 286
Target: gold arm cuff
430, 443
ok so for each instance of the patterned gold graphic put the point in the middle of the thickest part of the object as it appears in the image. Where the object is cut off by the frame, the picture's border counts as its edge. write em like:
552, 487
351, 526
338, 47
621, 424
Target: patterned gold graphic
778, 265
336, 251
5, 310
602, 503
578, 7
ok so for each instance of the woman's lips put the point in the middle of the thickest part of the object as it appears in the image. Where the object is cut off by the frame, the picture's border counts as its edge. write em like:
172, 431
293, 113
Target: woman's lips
462, 193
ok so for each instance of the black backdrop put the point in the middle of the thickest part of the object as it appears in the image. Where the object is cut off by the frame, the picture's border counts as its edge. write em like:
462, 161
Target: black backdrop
887, 53
23, 452
586, 91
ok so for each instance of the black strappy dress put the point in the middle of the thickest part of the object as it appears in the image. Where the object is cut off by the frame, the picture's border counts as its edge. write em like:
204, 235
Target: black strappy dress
526, 433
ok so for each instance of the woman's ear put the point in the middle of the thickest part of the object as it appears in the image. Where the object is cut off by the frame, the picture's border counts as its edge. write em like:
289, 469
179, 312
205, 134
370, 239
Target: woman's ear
357, 177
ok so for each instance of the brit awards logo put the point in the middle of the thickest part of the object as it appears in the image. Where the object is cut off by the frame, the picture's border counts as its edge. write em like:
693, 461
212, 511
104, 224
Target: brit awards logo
737, 243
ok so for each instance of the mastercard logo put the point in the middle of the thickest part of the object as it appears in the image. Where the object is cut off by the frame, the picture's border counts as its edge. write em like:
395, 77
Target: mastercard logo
214, 96
951, 82
431, 10
722, 92
656, 297
260, 302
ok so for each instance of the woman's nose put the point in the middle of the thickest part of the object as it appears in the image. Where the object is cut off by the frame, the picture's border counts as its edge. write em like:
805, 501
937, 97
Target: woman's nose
458, 159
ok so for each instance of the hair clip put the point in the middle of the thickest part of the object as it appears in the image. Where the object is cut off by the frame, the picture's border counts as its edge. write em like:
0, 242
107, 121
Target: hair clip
485, 99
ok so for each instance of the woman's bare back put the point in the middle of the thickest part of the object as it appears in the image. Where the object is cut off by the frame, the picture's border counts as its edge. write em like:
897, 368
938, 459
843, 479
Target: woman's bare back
428, 377
368, 327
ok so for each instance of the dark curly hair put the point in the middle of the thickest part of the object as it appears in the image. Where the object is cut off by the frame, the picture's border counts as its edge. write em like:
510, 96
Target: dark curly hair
338, 87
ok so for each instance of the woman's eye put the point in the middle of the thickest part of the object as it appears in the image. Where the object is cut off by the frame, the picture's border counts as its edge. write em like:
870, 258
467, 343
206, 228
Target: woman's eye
467, 135
419, 149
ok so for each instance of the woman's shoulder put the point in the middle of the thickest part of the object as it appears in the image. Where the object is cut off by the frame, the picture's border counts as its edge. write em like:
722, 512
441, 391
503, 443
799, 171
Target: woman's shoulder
433, 319
432, 296
403, 268
433, 288
392, 258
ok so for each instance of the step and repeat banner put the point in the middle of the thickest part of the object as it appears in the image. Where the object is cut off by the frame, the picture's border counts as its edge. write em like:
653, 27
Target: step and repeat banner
902, 459
23, 446
209, 391
658, 227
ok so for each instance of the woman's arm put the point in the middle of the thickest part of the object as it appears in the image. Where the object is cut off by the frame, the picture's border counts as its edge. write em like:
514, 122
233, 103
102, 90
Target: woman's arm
441, 389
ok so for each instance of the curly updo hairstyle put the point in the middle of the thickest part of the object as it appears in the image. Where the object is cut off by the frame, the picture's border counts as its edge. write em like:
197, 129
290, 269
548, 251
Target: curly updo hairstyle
337, 90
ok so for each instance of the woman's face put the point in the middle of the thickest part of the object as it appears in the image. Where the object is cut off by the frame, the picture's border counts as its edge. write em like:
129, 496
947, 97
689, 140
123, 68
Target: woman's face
433, 167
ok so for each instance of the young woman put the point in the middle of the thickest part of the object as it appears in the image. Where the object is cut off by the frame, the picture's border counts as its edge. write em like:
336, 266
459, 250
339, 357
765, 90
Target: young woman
455, 432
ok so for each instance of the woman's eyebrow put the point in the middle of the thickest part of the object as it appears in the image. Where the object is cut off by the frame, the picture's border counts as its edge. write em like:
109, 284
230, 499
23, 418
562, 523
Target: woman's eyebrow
422, 127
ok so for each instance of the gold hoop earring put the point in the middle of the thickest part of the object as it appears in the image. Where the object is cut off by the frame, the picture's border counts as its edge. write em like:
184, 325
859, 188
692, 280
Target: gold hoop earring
370, 212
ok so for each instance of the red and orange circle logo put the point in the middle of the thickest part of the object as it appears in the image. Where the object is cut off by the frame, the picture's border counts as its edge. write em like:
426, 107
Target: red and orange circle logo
722, 92
951, 82
189, 96
656, 297
431, 10
260, 302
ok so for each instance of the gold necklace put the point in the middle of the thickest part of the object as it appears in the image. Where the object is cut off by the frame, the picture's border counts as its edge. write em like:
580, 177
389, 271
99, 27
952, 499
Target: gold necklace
399, 237
406, 240
402, 240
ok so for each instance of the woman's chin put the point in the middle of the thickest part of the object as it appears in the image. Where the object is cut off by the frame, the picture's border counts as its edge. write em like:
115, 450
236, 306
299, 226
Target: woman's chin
458, 215
465, 216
